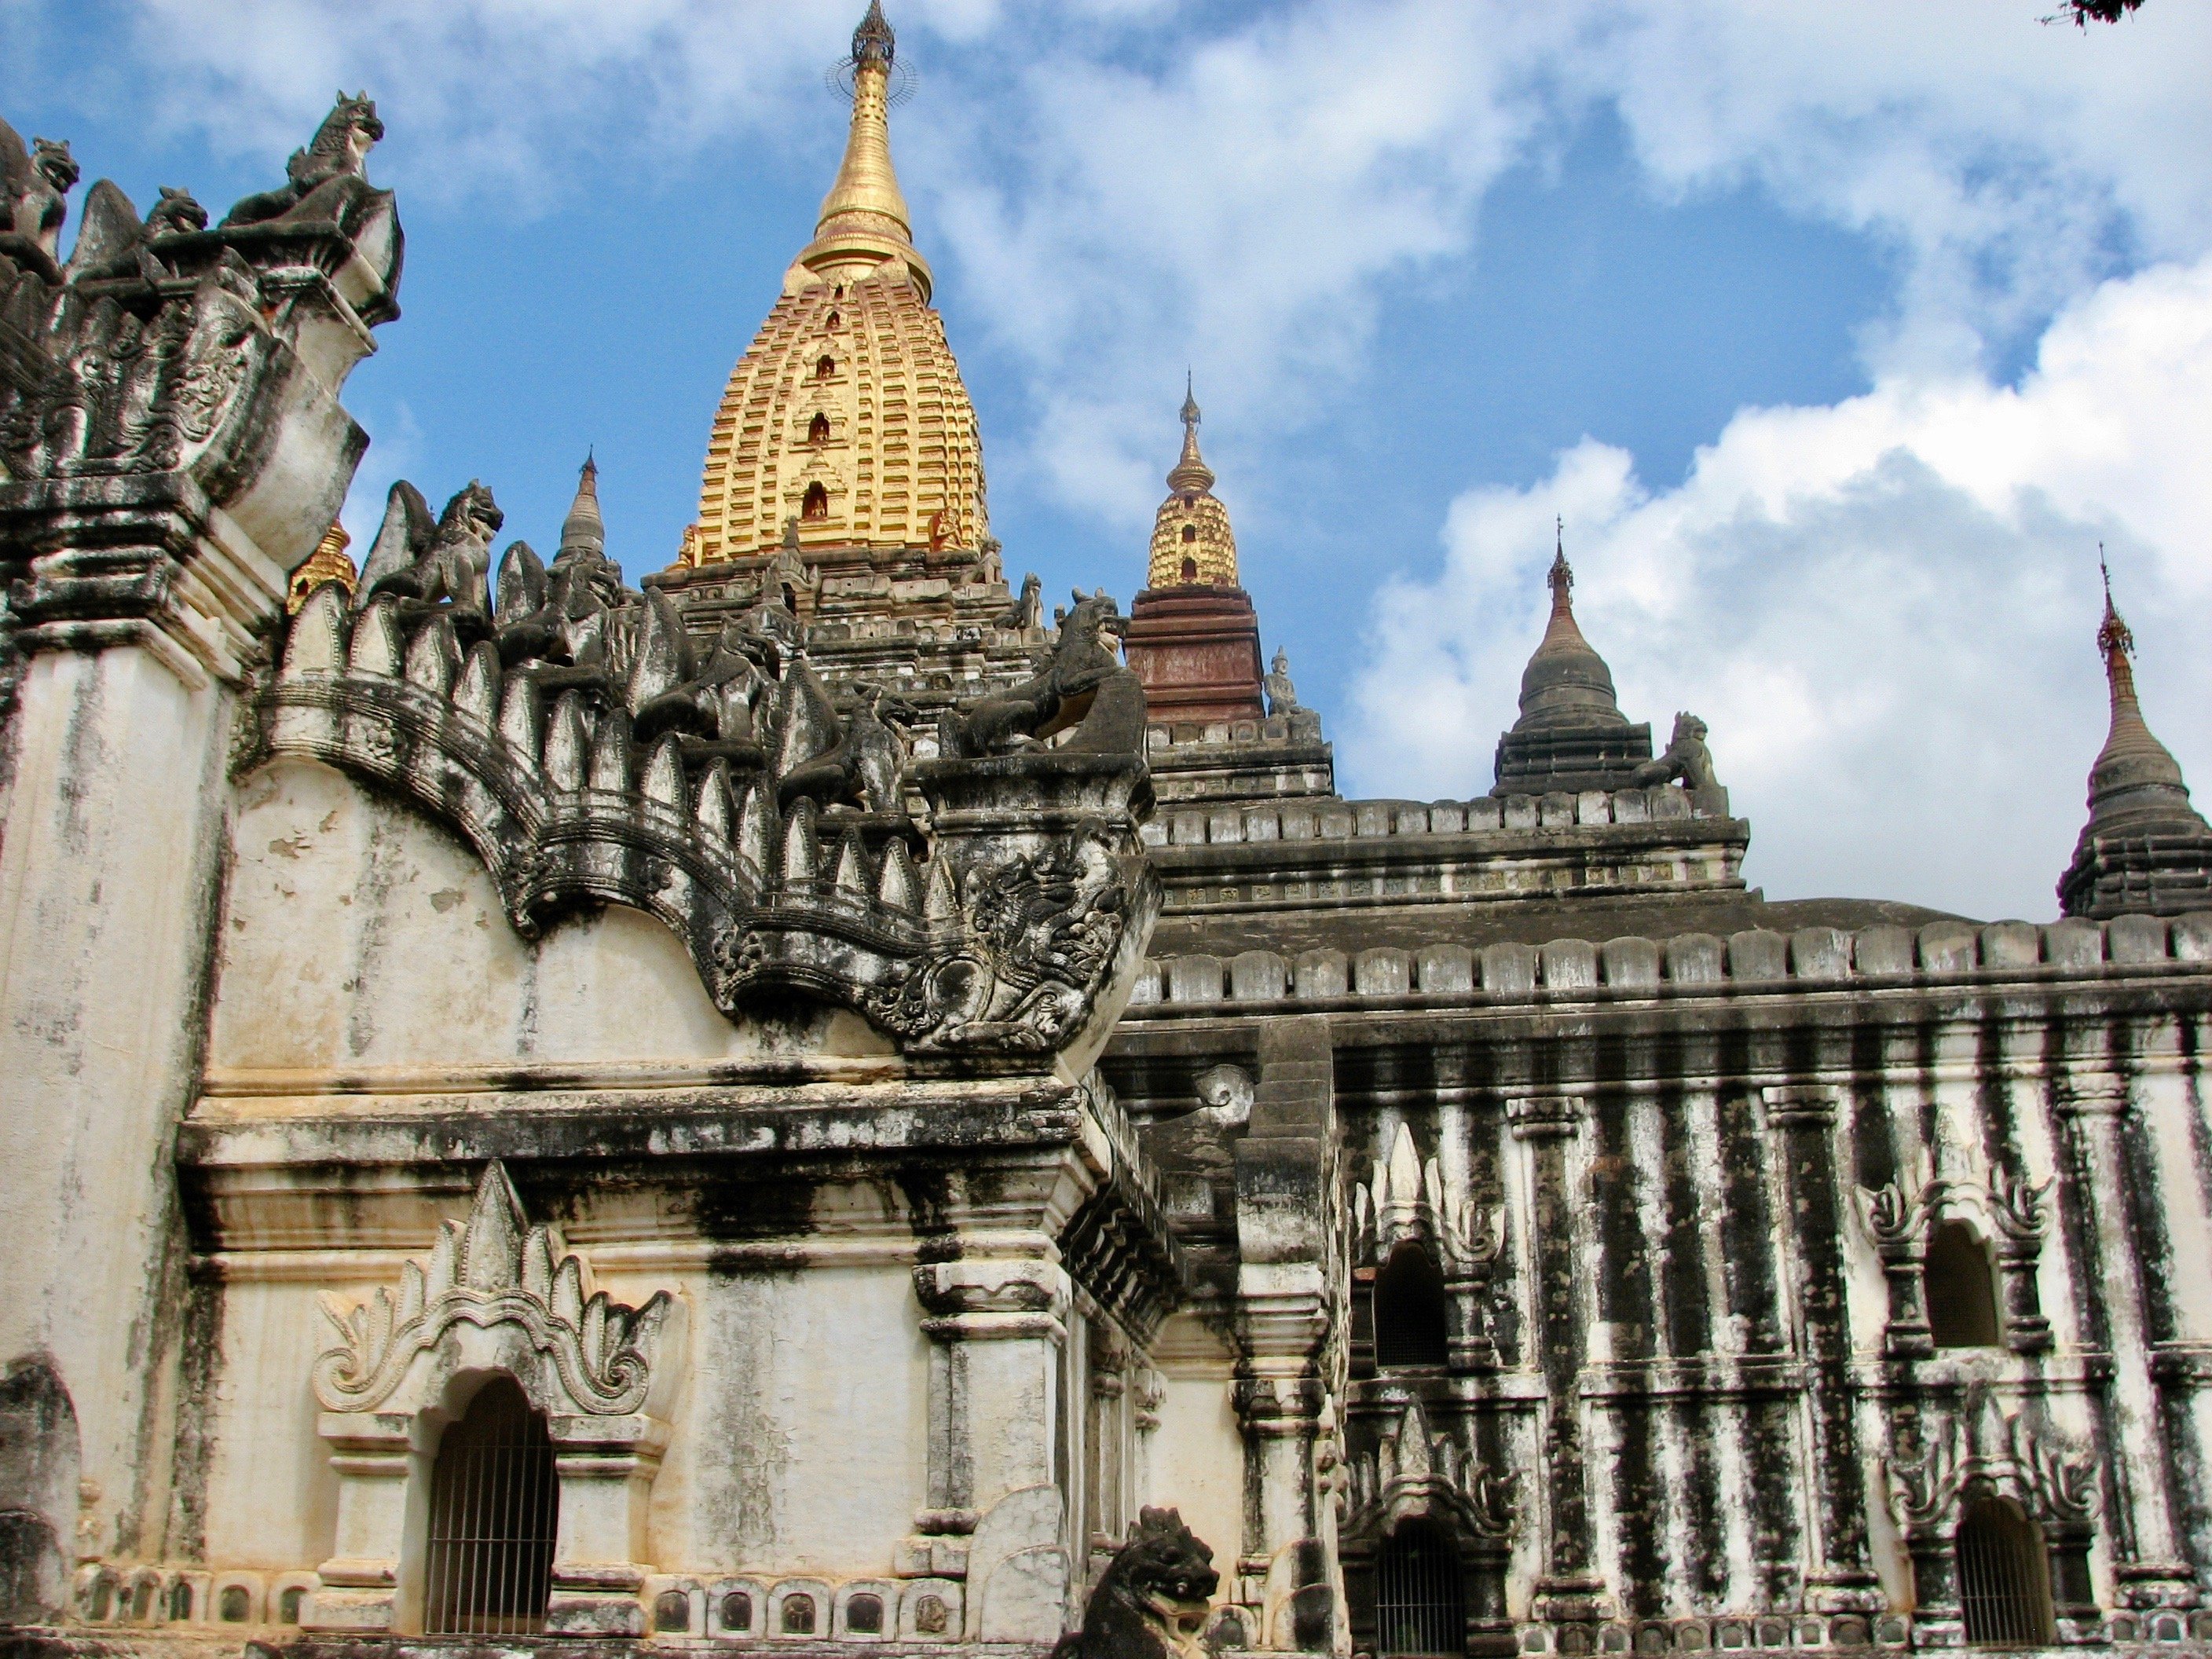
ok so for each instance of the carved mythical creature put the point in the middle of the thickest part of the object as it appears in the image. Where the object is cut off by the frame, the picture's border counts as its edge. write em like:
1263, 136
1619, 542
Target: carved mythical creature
331, 167
1082, 680
34, 186
1152, 1598
1027, 612
1688, 760
435, 568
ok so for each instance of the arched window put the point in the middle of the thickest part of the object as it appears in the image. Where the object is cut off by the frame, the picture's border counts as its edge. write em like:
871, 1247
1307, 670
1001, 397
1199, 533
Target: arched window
1189, 568
1409, 1310
817, 430
738, 1612
494, 1504
287, 1605
672, 1610
1961, 1293
798, 1615
181, 1599
2004, 1576
234, 1605
836, 322
1417, 1609
815, 504
864, 1615
1190, 532
825, 368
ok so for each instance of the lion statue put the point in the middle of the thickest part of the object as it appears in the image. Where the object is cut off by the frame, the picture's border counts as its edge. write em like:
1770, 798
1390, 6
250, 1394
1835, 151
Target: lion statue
1689, 761
1080, 683
336, 153
1152, 1598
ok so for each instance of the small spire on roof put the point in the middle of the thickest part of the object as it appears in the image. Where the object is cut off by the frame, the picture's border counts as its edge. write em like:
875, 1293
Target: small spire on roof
583, 527
1190, 474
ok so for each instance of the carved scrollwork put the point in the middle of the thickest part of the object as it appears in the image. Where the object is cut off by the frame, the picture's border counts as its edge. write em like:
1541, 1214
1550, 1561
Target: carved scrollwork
496, 1270
1415, 1472
1897, 1215
1930, 1479
1405, 1198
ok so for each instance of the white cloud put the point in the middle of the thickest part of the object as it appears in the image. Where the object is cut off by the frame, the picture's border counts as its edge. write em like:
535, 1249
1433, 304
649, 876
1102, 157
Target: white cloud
1885, 609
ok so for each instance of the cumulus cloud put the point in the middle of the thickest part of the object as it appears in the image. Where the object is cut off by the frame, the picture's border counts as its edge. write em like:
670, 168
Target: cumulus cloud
1885, 609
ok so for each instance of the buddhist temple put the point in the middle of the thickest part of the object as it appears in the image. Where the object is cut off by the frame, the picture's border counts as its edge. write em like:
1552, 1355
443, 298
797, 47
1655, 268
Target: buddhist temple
822, 1104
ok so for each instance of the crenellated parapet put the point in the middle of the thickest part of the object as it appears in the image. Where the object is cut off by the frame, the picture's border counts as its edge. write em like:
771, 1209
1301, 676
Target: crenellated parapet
994, 904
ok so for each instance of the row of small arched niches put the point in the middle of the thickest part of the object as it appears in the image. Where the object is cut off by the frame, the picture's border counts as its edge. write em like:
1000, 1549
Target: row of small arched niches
922, 1609
1962, 1305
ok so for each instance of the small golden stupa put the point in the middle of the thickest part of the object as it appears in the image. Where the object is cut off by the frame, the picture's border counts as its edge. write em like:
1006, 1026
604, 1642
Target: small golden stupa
329, 562
1193, 545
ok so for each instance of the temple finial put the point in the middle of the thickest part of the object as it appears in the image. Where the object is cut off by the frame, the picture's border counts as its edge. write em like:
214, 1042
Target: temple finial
873, 41
584, 529
1561, 578
1190, 473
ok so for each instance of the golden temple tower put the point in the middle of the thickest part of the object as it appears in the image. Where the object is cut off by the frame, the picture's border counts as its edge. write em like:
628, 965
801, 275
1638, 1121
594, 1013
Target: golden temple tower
847, 413
1192, 543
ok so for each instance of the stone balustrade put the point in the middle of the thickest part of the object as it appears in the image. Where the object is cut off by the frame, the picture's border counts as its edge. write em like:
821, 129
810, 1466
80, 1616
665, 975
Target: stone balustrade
1687, 963
1332, 819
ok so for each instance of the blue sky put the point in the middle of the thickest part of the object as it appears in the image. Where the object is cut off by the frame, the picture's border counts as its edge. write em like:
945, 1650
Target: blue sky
1838, 335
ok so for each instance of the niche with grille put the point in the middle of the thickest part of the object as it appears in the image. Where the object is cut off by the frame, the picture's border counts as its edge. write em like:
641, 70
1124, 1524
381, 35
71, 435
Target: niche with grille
2004, 1576
1419, 1604
1409, 1311
494, 1508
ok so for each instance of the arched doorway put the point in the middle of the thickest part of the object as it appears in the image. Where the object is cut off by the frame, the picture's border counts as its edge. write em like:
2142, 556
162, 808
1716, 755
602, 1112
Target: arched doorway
2004, 1576
495, 1510
1418, 1605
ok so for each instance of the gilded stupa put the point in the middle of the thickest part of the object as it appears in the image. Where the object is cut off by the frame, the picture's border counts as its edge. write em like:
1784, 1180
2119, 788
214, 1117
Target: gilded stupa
1192, 543
847, 414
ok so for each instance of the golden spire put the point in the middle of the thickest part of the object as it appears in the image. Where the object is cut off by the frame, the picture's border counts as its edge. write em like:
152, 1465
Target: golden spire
1193, 545
1191, 472
847, 413
864, 217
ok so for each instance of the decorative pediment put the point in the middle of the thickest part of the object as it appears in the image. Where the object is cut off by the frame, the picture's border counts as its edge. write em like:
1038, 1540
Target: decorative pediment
1412, 1472
996, 901
1931, 1480
2011, 1211
595, 1355
1405, 1198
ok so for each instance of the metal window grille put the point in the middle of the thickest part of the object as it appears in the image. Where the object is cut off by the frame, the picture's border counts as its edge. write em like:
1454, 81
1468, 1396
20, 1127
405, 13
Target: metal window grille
1409, 1310
2004, 1577
495, 1501
1962, 1303
1417, 1609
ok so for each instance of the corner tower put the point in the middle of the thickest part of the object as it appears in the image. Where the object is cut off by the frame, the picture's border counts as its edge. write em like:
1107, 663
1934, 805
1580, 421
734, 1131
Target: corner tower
2144, 847
847, 414
1193, 638
1571, 735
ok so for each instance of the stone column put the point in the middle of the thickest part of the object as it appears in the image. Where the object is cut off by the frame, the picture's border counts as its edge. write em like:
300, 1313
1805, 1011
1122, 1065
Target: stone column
178, 450
383, 1484
997, 1515
1283, 1299
1570, 1591
1802, 1119
2095, 1116
606, 1466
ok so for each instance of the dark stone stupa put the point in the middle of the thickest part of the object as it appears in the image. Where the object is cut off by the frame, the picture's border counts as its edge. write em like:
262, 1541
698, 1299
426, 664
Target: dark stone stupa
1571, 735
2145, 847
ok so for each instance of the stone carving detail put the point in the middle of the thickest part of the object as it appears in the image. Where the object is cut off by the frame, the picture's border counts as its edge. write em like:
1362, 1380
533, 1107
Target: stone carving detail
2011, 1212
571, 730
2054, 1482
1080, 683
1040, 928
136, 357
496, 1269
1153, 1598
1413, 1472
1690, 764
1405, 1198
